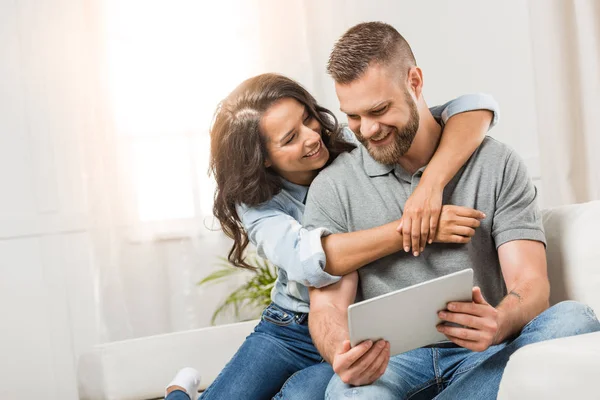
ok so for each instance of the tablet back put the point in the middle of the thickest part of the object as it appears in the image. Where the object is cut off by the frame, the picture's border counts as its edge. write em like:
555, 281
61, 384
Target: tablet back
407, 318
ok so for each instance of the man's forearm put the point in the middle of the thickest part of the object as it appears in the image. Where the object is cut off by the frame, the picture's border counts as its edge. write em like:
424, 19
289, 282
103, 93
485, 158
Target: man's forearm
525, 301
328, 328
328, 317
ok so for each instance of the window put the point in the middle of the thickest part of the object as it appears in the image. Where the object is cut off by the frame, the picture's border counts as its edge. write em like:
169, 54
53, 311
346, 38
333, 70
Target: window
169, 64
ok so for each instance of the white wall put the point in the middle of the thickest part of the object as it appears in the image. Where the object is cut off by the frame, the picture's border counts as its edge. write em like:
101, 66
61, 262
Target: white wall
46, 286
463, 46
47, 292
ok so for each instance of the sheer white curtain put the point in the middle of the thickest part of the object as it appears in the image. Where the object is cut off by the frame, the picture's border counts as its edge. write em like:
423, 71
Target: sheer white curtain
566, 53
163, 68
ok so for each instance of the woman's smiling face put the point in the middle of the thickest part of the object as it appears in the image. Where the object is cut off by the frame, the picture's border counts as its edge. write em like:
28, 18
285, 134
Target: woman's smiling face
293, 140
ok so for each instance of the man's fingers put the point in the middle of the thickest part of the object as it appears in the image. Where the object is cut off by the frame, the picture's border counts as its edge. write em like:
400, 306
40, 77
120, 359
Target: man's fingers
463, 231
459, 239
364, 362
468, 320
461, 333
462, 319
355, 353
344, 347
468, 307
478, 296
358, 372
384, 365
379, 365
469, 212
468, 222
467, 344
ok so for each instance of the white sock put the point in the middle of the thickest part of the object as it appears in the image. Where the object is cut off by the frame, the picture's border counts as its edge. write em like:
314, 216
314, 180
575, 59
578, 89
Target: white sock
189, 379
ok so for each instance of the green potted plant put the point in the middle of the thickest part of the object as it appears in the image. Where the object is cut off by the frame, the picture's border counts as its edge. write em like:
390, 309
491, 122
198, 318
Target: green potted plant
255, 294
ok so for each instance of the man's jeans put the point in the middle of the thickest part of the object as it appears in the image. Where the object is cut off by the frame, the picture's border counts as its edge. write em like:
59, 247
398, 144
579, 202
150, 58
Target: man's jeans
458, 373
279, 347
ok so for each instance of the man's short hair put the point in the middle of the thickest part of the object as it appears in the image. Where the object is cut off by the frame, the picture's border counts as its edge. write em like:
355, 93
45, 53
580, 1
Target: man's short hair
366, 43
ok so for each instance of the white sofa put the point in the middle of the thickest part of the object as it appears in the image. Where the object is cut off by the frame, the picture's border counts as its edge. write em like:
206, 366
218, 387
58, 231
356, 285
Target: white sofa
557, 369
564, 368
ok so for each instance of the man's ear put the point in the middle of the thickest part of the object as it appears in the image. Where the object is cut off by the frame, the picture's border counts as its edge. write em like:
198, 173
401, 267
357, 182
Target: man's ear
415, 81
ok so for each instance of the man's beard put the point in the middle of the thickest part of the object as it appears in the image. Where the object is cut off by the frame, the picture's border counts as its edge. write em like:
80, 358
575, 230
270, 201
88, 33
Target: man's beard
403, 138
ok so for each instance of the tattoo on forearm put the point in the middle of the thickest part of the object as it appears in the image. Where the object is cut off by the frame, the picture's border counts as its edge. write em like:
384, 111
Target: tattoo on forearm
517, 295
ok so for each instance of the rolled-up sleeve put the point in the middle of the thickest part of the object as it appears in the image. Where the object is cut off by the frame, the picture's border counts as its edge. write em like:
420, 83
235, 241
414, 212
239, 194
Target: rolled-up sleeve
282, 240
465, 103
517, 215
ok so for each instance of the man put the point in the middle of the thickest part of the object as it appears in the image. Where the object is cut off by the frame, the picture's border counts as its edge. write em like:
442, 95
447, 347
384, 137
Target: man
379, 87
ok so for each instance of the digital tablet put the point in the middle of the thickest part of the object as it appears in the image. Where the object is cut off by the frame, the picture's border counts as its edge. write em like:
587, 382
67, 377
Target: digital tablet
407, 318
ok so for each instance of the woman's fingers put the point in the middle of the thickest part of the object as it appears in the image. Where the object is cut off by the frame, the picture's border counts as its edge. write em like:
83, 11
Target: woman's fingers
425, 223
416, 236
433, 225
406, 231
399, 228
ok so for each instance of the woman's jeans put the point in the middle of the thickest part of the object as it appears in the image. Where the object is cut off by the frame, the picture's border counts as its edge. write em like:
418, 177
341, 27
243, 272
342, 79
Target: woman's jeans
279, 347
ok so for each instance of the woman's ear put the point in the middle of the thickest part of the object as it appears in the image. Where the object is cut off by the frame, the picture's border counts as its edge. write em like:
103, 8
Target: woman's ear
268, 163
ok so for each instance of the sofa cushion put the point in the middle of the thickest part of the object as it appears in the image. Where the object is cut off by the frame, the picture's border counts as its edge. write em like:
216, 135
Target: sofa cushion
564, 368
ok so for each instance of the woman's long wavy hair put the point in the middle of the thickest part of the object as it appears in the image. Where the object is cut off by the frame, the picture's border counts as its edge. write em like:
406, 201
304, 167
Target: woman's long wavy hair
238, 150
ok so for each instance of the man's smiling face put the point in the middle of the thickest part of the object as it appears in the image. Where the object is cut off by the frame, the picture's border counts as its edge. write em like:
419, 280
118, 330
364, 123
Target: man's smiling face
381, 113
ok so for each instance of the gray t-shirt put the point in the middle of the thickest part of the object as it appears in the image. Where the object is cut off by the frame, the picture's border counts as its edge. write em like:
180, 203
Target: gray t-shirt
356, 192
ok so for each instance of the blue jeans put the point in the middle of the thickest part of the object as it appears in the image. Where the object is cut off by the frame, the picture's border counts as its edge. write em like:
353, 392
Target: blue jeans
279, 347
177, 395
458, 373
307, 384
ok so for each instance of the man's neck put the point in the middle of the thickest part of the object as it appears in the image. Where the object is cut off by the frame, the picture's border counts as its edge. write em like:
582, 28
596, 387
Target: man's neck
424, 144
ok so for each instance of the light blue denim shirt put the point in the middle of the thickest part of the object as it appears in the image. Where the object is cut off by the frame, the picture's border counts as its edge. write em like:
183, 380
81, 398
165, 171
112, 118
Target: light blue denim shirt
274, 227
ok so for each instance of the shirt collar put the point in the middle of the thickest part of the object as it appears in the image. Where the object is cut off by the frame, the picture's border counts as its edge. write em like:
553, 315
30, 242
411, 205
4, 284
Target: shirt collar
298, 192
372, 167
375, 168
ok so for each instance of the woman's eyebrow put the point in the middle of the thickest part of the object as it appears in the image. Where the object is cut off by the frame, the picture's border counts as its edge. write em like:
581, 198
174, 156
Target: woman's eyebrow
284, 137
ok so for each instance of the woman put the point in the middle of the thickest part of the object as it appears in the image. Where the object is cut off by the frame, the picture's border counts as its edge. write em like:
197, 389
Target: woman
262, 174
